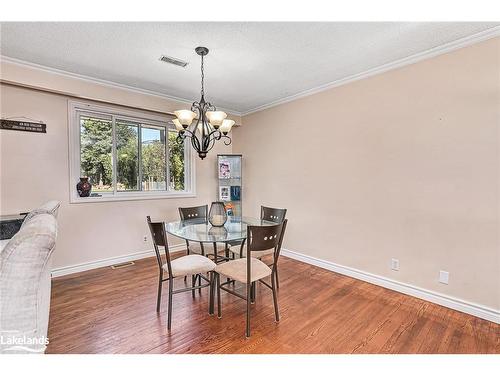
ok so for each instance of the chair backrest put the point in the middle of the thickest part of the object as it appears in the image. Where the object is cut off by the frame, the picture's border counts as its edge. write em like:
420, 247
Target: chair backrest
198, 212
264, 238
159, 236
276, 215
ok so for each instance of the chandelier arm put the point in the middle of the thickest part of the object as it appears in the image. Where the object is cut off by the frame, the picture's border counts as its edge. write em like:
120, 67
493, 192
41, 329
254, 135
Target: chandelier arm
210, 107
210, 144
186, 133
195, 106
180, 139
195, 142
215, 135
206, 141
228, 142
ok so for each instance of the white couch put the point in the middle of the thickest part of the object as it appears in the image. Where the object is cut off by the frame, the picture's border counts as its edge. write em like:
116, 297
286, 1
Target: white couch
25, 284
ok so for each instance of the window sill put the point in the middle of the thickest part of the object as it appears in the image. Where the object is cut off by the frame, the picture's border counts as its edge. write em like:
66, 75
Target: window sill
131, 197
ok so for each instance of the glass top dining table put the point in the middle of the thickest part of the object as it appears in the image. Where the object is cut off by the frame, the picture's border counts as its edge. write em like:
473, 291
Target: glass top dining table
200, 230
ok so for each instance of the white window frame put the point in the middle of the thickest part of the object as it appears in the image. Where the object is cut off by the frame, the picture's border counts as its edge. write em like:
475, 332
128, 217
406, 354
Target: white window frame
76, 108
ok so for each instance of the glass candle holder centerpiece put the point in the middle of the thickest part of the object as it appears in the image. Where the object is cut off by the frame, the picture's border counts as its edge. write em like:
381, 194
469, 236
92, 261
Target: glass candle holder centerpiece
217, 215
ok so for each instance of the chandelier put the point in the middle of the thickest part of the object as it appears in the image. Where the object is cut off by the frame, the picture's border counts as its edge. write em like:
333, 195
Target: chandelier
211, 125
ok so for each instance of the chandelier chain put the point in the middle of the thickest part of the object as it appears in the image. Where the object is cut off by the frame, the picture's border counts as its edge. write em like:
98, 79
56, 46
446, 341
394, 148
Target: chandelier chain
202, 78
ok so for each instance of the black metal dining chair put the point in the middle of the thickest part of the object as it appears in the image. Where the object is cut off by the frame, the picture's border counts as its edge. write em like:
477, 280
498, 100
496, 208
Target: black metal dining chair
275, 215
249, 270
200, 212
197, 212
193, 264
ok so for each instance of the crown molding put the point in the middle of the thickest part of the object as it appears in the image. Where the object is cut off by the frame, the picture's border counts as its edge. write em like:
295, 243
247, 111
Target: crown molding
436, 51
103, 82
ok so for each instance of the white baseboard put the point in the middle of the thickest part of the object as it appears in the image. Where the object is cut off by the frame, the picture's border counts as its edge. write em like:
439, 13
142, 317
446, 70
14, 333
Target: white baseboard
471, 308
62, 271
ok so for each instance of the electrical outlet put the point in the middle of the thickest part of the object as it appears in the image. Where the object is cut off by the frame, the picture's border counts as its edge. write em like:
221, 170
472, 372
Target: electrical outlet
145, 238
444, 277
395, 264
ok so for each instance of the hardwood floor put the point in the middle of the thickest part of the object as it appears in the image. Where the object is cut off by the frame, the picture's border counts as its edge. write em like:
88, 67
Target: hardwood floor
114, 311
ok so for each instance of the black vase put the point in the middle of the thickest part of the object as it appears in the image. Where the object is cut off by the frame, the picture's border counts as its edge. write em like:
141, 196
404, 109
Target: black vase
83, 187
217, 215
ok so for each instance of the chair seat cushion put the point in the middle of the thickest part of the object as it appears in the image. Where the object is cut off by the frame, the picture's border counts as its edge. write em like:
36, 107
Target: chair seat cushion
237, 269
190, 265
195, 247
255, 254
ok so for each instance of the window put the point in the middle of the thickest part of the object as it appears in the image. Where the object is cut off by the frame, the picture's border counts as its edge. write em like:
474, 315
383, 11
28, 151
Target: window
154, 159
127, 155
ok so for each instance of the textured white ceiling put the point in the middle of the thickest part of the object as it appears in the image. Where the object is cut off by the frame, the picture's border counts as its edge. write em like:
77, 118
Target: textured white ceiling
249, 64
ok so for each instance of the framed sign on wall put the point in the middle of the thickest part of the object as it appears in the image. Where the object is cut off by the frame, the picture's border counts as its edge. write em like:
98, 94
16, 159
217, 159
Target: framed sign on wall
25, 126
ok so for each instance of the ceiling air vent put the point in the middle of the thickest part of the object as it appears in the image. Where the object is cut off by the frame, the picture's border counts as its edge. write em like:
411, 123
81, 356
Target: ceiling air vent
173, 60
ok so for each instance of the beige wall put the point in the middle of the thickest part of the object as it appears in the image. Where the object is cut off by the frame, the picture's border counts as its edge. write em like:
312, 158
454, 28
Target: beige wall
400, 165
34, 168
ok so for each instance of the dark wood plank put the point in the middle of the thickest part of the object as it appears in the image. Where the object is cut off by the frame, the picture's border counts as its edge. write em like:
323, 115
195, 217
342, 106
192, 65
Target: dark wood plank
113, 311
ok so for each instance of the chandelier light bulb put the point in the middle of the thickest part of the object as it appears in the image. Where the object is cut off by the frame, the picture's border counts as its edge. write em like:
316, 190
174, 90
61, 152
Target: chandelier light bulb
216, 118
185, 117
226, 126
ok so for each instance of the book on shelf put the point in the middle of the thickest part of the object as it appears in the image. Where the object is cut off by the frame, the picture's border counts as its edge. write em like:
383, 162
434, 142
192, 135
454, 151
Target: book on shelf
224, 169
235, 193
224, 193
